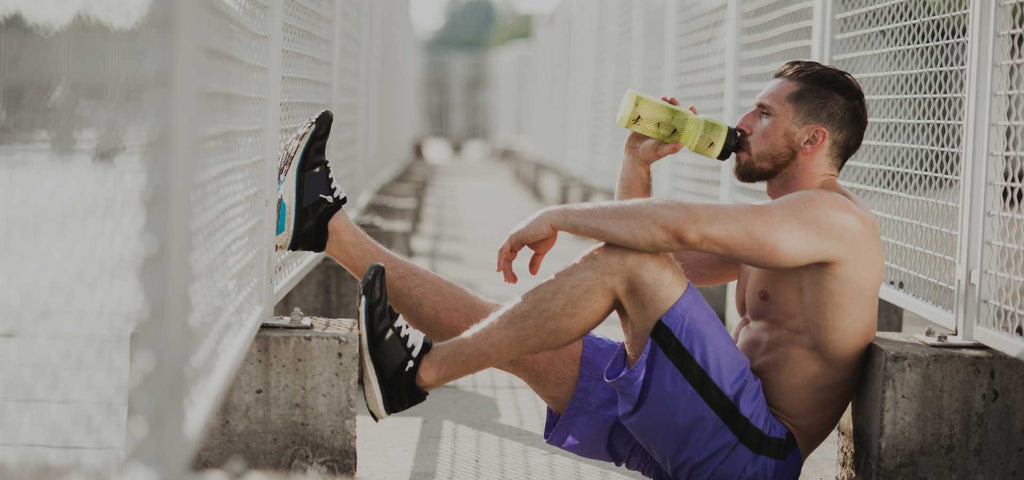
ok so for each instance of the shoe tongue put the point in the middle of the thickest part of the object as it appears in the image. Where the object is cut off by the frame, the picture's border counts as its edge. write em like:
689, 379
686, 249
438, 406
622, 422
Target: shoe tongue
316, 187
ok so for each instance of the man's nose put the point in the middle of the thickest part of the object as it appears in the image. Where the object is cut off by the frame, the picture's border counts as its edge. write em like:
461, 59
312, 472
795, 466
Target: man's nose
744, 124
744, 130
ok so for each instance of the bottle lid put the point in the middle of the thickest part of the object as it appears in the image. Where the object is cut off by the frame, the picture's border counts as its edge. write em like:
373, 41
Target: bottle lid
732, 143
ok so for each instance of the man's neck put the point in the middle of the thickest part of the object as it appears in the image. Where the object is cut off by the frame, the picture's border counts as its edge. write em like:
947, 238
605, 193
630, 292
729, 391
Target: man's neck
801, 175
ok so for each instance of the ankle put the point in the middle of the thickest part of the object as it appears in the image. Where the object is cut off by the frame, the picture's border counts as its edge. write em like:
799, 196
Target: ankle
425, 375
339, 228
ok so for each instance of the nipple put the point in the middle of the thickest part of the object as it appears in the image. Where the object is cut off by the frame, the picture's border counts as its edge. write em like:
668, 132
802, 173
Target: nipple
763, 295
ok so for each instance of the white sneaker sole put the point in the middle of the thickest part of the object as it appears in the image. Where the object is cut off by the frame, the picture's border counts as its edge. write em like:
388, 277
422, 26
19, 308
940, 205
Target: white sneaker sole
288, 192
371, 386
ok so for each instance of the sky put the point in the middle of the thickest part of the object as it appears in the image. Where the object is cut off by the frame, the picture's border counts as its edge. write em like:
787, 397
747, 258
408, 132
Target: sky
428, 15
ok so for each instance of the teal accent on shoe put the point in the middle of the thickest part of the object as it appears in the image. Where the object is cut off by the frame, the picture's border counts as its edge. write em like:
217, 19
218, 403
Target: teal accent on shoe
281, 214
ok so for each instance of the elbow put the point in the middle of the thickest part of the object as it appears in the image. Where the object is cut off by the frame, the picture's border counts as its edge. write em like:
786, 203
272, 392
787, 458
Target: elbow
686, 229
684, 238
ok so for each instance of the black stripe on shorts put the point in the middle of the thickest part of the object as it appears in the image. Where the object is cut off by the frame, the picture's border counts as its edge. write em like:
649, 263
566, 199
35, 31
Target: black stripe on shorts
749, 435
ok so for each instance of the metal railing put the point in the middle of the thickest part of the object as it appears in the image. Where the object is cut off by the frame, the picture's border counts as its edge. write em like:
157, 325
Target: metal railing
942, 163
138, 180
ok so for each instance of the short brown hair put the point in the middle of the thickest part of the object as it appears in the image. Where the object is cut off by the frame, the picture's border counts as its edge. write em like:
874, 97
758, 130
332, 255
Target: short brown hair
832, 98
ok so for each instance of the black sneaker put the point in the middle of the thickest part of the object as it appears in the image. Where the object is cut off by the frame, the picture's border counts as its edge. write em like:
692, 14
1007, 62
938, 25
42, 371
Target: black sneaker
307, 194
390, 350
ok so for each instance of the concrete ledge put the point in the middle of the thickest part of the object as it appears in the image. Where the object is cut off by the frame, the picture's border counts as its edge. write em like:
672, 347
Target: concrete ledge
292, 406
926, 413
327, 291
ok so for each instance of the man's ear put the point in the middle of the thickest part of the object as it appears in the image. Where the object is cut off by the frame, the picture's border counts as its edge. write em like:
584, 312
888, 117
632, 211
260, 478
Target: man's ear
812, 137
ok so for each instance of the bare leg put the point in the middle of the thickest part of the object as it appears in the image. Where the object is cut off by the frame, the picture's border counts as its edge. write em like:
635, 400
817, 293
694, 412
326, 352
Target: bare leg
642, 286
444, 310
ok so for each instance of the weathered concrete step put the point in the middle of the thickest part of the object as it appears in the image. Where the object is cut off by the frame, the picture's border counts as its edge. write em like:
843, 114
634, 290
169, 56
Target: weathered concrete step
292, 406
928, 413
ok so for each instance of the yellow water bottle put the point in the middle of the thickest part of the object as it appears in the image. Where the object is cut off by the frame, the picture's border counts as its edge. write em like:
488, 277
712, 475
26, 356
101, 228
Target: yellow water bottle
672, 124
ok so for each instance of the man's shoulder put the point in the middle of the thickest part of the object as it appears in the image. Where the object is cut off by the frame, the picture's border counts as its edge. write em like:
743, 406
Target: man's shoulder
848, 221
833, 203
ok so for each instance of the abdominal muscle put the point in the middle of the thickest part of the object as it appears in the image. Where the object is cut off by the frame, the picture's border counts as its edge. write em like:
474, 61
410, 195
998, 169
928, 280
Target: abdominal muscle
802, 392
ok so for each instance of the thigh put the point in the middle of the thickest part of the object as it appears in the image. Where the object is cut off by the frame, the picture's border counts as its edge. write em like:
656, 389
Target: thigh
692, 401
646, 285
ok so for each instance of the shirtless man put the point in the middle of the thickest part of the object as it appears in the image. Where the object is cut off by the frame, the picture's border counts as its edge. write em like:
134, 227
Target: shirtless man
680, 397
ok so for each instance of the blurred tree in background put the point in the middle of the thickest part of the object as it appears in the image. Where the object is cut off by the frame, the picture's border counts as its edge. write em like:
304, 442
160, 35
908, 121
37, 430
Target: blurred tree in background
479, 24
468, 25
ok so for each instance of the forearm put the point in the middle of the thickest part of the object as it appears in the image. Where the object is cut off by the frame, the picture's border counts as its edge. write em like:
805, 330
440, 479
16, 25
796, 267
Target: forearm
634, 180
647, 225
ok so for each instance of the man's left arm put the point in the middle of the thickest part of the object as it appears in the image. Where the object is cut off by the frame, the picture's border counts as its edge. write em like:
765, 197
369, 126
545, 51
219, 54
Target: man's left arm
798, 229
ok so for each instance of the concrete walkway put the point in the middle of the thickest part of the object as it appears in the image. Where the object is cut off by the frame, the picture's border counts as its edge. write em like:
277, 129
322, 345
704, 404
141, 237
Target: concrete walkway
486, 426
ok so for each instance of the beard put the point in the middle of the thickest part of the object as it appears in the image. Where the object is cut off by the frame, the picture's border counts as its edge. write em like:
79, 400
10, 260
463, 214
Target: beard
765, 165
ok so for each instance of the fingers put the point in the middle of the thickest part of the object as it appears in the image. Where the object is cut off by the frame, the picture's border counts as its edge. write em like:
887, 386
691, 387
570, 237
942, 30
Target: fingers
666, 149
535, 262
671, 100
506, 255
693, 109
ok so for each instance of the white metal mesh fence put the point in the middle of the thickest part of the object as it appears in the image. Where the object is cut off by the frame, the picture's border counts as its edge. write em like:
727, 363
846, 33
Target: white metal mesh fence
912, 59
228, 190
771, 33
137, 193
696, 77
1001, 316
306, 73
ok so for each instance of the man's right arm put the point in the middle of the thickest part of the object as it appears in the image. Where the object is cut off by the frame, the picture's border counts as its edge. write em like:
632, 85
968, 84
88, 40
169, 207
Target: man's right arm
703, 269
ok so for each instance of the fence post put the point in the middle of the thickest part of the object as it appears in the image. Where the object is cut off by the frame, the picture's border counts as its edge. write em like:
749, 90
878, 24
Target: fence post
731, 111
821, 34
972, 167
156, 438
663, 170
272, 144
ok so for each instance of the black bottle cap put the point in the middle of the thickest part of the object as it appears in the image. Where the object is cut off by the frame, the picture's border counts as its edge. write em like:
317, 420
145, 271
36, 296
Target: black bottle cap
732, 143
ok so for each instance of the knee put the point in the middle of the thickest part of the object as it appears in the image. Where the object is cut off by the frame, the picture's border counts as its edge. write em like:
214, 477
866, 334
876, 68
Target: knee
620, 259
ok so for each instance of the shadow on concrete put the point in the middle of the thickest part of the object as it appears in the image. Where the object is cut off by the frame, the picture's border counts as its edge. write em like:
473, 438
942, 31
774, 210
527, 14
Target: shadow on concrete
461, 430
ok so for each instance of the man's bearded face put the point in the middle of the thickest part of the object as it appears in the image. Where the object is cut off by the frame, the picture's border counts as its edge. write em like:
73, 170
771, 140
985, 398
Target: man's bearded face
766, 162
768, 145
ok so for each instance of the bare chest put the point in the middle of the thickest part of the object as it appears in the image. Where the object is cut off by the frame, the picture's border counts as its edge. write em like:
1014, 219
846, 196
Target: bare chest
770, 295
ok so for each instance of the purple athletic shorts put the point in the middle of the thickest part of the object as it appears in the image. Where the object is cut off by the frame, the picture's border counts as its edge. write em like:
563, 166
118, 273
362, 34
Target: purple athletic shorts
689, 408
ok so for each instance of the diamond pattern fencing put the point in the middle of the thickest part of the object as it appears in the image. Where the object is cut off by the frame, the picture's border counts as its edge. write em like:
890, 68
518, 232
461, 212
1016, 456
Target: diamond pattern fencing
1001, 319
612, 43
911, 59
548, 108
228, 193
650, 47
584, 77
954, 252
138, 162
696, 77
772, 32
306, 74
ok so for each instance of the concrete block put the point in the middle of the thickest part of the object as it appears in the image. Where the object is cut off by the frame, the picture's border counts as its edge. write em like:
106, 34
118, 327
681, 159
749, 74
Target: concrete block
327, 291
928, 413
292, 406
890, 317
